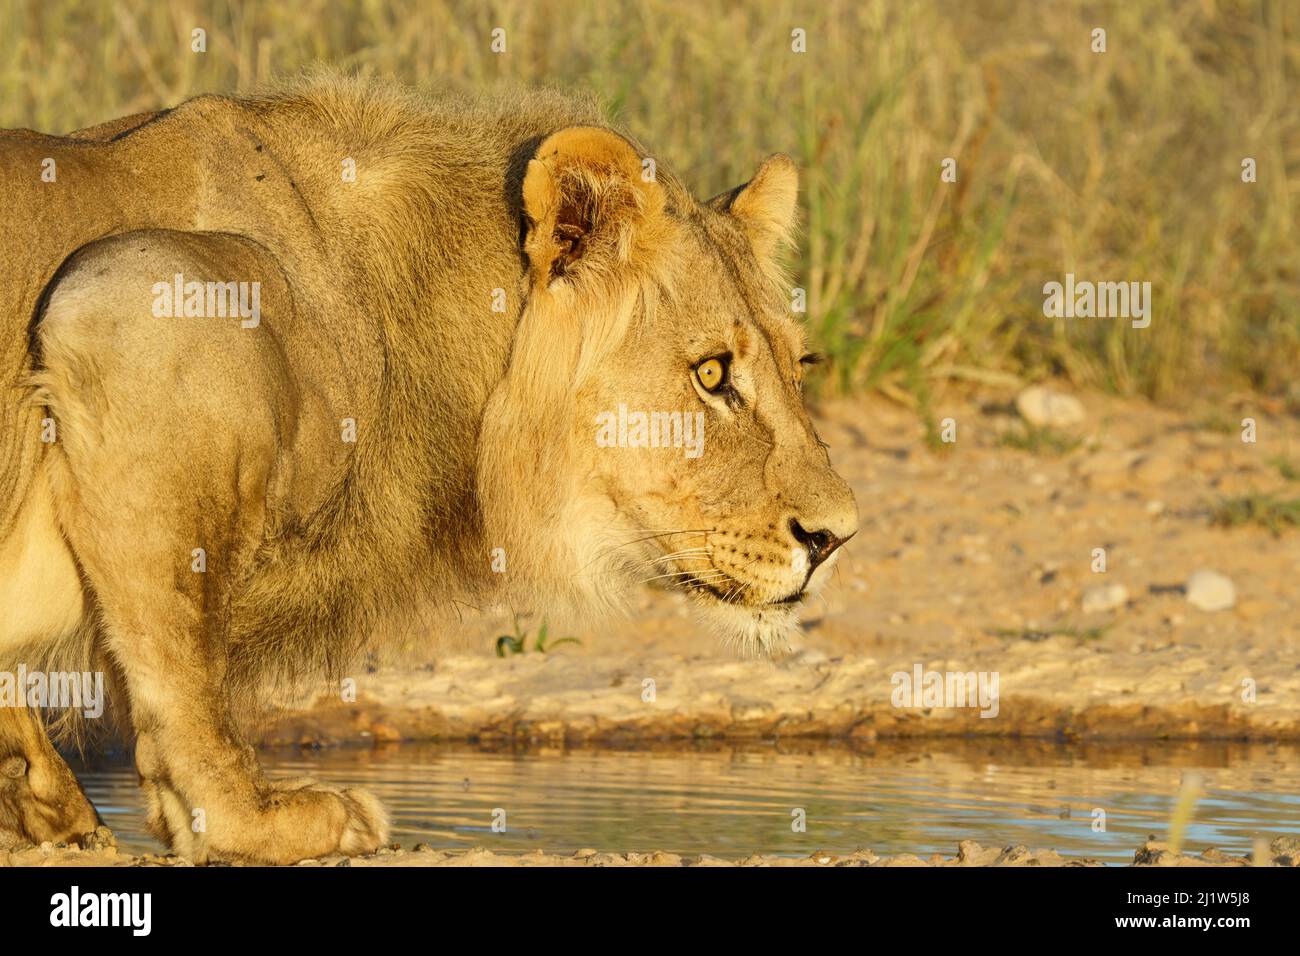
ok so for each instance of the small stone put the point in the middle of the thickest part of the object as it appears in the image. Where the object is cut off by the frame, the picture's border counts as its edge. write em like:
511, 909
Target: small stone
1104, 597
1012, 855
1285, 851
1210, 591
1152, 853
1043, 407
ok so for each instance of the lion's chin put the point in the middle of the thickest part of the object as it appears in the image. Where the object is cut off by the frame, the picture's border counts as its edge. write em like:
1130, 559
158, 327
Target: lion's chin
752, 631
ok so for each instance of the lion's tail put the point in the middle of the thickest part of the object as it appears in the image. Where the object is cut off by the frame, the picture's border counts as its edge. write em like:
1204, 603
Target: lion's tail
21, 449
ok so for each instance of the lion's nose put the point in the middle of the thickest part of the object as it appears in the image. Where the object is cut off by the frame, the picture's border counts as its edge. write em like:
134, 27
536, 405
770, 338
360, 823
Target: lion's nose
820, 545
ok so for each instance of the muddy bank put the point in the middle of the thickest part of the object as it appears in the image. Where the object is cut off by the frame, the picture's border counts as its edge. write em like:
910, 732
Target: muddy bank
1056, 688
1283, 851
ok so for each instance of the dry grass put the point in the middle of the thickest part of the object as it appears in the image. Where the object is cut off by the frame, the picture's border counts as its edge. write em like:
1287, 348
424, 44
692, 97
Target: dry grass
1116, 166
1267, 511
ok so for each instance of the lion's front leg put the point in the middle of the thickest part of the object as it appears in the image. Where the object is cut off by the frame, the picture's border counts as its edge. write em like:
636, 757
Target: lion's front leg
208, 799
207, 795
165, 620
169, 433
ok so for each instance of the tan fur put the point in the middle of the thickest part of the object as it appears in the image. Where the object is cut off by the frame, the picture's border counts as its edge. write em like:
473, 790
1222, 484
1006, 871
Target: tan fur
476, 429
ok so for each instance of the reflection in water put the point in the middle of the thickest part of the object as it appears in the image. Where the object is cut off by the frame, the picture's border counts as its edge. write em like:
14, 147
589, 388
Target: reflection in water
731, 801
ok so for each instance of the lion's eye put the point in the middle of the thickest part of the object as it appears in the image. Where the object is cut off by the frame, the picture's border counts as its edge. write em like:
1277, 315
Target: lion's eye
712, 374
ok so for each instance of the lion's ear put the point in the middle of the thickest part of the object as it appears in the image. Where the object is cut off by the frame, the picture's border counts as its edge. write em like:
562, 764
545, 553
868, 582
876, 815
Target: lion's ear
584, 195
766, 205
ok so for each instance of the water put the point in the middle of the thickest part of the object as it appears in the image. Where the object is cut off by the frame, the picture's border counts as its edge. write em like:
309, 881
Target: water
731, 801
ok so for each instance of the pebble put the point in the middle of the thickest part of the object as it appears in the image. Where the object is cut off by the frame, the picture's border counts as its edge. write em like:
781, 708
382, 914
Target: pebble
1104, 597
1210, 591
1043, 407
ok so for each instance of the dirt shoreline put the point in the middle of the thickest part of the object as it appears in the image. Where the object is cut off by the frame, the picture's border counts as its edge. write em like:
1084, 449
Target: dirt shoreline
1283, 851
1056, 690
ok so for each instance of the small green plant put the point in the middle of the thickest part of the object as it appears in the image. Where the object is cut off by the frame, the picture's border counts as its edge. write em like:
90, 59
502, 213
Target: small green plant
1039, 441
1042, 634
1287, 469
1219, 422
517, 643
1267, 511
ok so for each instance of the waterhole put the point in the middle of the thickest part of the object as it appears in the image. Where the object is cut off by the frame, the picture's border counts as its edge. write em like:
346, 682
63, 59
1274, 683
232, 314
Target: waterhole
1097, 801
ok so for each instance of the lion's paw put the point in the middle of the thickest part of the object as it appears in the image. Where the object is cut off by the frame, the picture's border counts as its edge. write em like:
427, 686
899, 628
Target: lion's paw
285, 822
307, 820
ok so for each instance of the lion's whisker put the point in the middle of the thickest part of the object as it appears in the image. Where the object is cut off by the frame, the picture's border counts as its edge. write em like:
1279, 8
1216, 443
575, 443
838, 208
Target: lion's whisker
643, 538
688, 553
704, 578
669, 558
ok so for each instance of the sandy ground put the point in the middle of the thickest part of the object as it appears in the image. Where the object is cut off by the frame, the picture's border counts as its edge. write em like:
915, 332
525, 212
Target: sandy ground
1283, 851
975, 558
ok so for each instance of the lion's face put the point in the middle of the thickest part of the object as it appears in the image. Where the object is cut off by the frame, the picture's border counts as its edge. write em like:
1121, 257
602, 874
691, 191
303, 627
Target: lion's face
738, 504
691, 458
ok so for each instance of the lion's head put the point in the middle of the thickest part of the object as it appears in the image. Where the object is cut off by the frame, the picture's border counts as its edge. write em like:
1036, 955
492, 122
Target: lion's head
653, 400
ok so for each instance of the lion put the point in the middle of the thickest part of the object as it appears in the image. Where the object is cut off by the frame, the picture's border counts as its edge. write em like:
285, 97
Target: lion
278, 367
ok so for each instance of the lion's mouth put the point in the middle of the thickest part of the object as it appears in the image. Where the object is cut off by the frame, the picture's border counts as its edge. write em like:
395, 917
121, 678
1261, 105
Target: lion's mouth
735, 593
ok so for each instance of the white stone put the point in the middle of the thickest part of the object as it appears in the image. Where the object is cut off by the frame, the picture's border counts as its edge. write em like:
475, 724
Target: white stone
1104, 597
1043, 407
1210, 591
